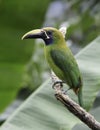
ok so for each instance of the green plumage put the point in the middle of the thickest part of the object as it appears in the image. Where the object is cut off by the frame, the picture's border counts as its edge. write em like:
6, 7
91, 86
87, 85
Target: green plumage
60, 58
69, 68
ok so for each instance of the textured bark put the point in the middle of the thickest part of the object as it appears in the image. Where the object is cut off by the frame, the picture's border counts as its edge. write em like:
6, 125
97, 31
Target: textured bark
73, 107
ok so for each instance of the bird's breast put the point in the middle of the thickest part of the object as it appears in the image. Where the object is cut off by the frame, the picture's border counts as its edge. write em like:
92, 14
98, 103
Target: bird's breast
52, 65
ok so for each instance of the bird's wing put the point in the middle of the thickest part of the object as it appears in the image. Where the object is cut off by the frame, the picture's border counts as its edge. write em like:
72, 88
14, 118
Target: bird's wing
65, 61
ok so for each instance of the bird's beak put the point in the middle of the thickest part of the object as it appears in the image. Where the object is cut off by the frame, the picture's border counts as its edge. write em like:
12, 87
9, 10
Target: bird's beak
33, 34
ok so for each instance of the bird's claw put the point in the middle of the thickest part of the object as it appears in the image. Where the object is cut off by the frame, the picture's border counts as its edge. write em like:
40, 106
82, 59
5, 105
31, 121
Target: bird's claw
65, 91
57, 84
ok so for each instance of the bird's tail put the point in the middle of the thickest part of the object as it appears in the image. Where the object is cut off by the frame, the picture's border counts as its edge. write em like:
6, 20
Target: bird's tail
80, 97
78, 92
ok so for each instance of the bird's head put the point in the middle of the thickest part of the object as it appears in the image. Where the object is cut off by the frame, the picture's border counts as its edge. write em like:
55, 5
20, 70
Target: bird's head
48, 34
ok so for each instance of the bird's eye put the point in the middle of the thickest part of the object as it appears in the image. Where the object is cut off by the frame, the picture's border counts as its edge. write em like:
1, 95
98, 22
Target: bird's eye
49, 32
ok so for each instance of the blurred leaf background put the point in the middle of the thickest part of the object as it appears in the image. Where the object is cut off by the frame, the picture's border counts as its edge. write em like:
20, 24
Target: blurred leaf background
22, 64
17, 17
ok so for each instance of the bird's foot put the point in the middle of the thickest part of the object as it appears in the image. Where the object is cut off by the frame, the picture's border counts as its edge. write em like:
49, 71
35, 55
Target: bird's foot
65, 91
58, 85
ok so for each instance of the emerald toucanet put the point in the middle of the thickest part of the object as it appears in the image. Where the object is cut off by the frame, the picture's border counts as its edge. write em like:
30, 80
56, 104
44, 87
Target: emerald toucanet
59, 57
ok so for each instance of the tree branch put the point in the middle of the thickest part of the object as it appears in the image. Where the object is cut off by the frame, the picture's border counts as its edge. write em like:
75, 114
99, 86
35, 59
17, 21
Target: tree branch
73, 107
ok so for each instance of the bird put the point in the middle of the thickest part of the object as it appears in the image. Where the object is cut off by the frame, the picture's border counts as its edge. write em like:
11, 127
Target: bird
59, 58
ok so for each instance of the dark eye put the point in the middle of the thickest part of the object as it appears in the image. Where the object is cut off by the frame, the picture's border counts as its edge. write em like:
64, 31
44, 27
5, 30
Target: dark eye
49, 32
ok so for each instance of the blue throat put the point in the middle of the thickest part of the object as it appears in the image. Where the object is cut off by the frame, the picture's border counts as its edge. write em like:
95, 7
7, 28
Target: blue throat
48, 41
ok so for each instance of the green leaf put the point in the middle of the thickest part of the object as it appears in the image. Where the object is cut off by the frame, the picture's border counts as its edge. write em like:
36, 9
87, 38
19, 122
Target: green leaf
41, 111
9, 85
89, 63
16, 17
13, 56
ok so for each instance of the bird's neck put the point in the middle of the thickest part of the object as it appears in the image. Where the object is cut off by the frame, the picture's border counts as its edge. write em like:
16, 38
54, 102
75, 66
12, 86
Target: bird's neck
56, 46
55, 42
